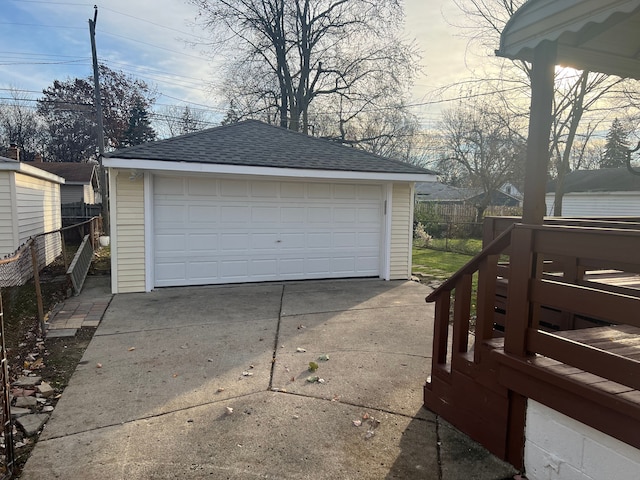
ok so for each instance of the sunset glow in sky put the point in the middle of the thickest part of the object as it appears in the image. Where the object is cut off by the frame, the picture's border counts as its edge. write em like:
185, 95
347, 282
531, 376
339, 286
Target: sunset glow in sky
44, 40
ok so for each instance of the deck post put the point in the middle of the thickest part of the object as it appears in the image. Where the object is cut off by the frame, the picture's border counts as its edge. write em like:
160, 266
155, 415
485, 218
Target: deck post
537, 160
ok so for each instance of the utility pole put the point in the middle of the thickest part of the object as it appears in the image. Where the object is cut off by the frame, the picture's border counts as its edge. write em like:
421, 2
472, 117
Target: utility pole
104, 190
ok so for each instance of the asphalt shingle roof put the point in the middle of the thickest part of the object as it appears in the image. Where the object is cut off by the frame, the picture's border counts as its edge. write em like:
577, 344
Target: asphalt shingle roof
70, 171
257, 144
603, 180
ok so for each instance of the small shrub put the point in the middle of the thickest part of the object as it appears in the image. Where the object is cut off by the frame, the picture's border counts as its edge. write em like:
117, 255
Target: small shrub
422, 237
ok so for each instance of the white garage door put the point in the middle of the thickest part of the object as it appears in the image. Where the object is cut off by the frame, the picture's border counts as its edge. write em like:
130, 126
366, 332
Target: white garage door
209, 230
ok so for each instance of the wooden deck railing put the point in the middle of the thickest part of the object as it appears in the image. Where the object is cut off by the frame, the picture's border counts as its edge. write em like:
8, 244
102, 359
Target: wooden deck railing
554, 272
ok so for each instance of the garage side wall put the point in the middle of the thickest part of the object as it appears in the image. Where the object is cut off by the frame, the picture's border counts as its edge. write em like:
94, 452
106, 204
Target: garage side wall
8, 216
401, 228
129, 232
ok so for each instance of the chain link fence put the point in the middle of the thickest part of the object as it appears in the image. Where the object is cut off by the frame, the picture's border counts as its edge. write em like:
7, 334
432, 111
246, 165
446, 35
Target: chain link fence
17, 269
448, 223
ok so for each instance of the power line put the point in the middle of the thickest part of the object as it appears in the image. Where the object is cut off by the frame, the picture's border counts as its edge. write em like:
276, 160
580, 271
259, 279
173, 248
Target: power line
149, 44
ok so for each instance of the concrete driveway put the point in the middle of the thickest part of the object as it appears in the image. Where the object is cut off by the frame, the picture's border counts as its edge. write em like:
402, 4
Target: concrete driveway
151, 398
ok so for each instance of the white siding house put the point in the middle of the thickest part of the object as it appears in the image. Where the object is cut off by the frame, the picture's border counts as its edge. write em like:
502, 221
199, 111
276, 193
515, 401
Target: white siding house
250, 202
608, 192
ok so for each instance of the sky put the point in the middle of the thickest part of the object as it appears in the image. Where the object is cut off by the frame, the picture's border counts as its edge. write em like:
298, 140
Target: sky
45, 40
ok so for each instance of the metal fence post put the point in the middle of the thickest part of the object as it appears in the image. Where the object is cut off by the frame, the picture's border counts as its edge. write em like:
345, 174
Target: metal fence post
7, 424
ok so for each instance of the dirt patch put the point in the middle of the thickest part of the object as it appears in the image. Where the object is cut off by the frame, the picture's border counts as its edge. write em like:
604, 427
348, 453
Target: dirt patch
53, 359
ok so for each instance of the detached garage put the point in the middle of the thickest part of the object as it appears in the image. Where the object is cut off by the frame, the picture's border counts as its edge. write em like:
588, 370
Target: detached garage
250, 202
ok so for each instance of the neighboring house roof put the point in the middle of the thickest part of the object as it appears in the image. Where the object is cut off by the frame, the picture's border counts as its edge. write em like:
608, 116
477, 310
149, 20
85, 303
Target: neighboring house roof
439, 192
72, 172
252, 143
9, 164
603, 180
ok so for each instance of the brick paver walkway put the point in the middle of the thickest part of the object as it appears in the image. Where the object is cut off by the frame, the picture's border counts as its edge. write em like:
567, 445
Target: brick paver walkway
75, 314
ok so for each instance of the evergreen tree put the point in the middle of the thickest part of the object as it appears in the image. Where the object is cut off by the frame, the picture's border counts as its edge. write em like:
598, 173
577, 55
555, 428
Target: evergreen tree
615, 150
188, 122
139, 129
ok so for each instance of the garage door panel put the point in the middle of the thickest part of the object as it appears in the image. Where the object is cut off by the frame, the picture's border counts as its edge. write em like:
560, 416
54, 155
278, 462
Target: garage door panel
170, 214
264, 268
168, 186
369, 215
319, 191
264, 189
344, 215
318, 266
209, 230
171, 272
235, 214
369, 192
202, 270
234, 188
368, 264
265, 241
234, 269
206, 214
265, 214
290, 241
345, 240
292, 215
232, 242
292, 267
369, 240
319, 240
319, 215
202, 187
345, 192
171, 243
343, 265
203, 242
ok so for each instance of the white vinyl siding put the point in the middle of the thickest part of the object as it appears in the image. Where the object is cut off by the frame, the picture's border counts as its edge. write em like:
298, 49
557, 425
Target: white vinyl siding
38, 205
401, 228
8, 214
129, 233
597, 204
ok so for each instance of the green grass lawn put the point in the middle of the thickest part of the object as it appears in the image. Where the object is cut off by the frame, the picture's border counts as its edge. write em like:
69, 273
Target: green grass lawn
468, 246
437, 263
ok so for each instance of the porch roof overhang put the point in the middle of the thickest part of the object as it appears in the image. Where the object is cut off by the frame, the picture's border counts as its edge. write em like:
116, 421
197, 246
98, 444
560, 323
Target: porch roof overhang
595, 35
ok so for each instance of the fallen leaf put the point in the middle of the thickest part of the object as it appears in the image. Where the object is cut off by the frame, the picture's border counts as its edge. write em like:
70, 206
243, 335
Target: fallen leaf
229, 410
300, 350
313, 366
356, 423
323, 358
131, 349
312, 379
247, 374
221, 389
98, 365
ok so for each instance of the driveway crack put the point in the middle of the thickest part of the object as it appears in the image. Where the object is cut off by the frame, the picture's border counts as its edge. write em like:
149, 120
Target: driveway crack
277, 340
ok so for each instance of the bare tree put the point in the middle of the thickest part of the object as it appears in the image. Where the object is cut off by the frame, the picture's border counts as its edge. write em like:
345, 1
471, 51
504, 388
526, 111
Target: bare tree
20, 124
289, 54
174, 120
481, 148
576, 92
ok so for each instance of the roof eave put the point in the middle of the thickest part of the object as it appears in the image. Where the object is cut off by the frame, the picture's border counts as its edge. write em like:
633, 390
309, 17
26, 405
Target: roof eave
193, 167
20, 167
